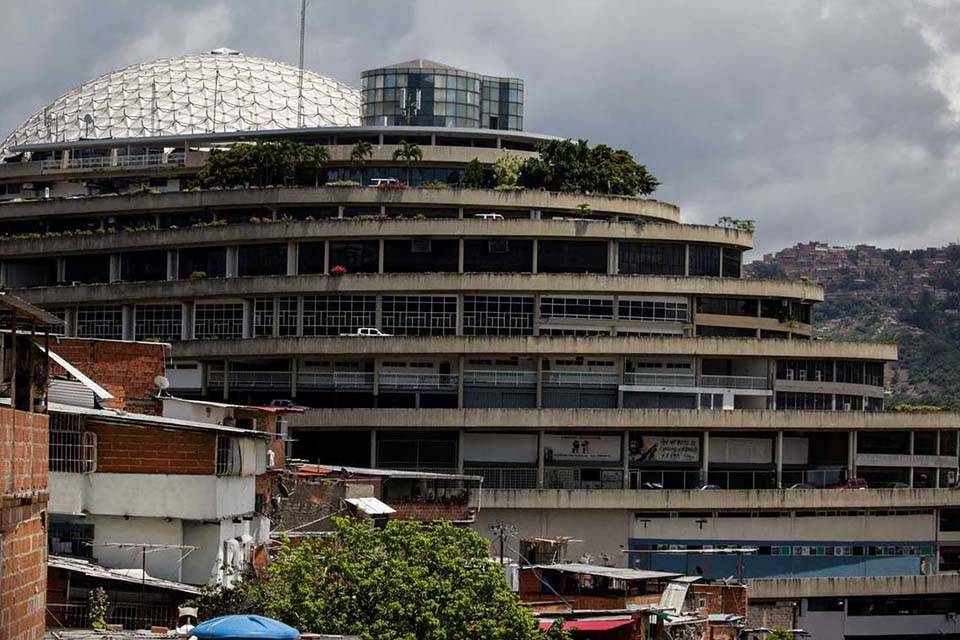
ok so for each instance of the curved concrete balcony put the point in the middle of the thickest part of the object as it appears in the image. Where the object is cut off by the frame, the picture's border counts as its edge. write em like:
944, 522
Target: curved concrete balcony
619, 419
566, 204
719, 500
533, 346
572, 283
353, 228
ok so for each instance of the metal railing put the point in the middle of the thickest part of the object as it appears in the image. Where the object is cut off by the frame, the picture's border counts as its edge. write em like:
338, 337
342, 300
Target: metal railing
572, 478
505, 477
132, 615
176, 158
445, 381
581, 378
252, 379
735, 382
71, 450
496, 378
664, 479
660, 379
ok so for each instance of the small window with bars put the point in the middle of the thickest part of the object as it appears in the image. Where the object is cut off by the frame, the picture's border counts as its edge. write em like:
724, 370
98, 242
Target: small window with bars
159, 322
105, 322
224, 463
71, 449
223, 320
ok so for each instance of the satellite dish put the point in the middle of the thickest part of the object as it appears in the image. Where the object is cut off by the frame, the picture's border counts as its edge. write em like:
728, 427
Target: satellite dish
162, 383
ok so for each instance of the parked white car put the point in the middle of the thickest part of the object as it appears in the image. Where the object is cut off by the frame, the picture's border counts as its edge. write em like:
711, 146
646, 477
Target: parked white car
379, 182
366, 332
488, 216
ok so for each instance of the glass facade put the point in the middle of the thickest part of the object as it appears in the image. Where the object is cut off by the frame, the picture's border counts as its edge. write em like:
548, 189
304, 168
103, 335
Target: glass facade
425, 94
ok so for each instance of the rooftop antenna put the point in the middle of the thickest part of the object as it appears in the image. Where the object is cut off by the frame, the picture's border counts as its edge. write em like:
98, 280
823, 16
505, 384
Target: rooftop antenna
303, 23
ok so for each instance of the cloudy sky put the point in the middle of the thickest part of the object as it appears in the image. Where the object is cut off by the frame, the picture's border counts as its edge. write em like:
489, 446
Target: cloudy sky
830, 120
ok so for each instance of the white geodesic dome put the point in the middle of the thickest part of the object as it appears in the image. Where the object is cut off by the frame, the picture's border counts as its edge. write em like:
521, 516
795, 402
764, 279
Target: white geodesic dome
219, 91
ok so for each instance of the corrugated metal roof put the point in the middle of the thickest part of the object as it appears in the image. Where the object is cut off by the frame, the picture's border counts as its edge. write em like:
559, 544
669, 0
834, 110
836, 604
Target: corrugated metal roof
94, 570
371, 506
609, 572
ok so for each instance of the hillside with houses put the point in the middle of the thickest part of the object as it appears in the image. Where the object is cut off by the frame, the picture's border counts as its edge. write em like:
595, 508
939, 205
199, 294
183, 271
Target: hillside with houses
912, 297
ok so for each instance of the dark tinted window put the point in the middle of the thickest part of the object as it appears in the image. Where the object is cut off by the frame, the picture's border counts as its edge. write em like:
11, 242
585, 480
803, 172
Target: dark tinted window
310, 257
704, 260
211, 261
652, 258
139, 266
358, 256
563, 256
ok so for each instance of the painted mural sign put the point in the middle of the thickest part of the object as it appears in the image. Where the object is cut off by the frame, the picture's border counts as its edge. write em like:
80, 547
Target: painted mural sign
576, 448
664, 449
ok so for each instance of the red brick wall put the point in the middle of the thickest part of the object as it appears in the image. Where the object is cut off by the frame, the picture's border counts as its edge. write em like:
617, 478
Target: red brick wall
24, 552
125, 369
147, 450
23, 540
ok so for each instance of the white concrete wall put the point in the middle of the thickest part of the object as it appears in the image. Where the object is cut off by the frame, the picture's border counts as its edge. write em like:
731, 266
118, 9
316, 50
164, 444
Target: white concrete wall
200, 567
180, 410
160, 563
152, 495
600, 531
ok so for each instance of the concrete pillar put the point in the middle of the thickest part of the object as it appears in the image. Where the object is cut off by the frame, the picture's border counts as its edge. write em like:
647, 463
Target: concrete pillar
70, 322
378, 313
61, 270
625, 454
172, 264
536, 255
186, 320
459, 213
705, 453
3, 274
536, 314
460, 367
376, 380
232, 267
460, 443
910, 472
778, 459
126, 323
248, 317
459, 319
460, 256
115, 275
340, 211
226, 379
300, 305
612, 257
380, 256
539, 383
852, 454
686, 260
373, 448
540, 470
294, 370
293, 255
936, 475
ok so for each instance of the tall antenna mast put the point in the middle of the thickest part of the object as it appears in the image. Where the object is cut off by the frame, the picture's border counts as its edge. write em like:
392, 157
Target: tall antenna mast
303, 22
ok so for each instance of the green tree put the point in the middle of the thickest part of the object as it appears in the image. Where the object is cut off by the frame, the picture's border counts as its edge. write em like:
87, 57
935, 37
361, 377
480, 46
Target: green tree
564, 165
408, 153
315, 157
97, 608
506, 171
402, 582
780, 634
474, 176
359, 155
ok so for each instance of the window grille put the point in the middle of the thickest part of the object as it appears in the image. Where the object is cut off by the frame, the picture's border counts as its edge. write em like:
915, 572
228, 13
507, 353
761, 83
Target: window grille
72, 450
497, 315
581, 308
162, 322
223, 320
104, 322
333, 315
647, 310
420, 315
224, 462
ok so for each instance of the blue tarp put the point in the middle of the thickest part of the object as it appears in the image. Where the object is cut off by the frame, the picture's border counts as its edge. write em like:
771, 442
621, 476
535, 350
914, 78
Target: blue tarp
240, 627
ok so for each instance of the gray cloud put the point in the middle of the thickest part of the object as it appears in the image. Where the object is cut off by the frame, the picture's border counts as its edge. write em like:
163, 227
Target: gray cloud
822, 120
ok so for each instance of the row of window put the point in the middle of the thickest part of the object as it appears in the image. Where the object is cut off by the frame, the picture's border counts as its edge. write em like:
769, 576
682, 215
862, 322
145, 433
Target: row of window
849, 371
813, 550
826, 402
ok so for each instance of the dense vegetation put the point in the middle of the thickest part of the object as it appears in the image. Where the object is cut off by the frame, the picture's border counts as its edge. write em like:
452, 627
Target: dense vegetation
402, 582
884, 301
564, 165
265, 163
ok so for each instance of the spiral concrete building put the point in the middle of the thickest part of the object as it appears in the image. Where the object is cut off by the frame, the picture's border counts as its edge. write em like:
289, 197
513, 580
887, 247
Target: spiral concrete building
606, 368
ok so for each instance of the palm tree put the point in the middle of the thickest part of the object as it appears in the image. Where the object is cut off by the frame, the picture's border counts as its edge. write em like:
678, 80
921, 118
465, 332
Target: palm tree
315, 157
361, 152
409, 153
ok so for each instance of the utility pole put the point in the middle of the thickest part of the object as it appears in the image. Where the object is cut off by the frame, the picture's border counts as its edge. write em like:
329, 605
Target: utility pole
502, 530
303, 23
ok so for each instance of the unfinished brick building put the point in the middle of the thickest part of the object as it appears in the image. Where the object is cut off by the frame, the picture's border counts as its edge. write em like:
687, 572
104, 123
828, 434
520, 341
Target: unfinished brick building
23, 472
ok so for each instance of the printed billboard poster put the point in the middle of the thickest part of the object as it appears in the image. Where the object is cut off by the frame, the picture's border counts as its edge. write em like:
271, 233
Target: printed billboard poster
663, 449
563, 448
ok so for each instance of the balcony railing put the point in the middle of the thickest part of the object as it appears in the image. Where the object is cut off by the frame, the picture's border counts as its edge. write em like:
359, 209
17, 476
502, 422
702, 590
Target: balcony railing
664, 479
735, 382
515, 379
505, 477
564, 478
660, 379
132, 615
176, 159
581, 378
251, 379
419, 381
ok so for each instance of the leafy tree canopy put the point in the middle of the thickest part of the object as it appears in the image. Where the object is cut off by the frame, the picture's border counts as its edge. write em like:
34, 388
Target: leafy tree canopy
402, 582
564, 165
263, 163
